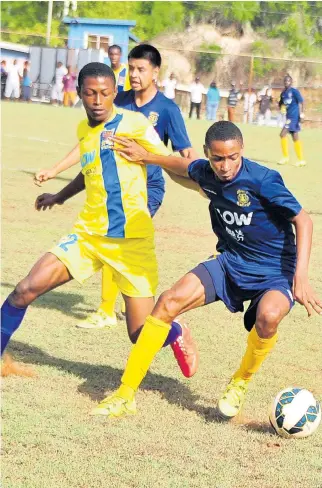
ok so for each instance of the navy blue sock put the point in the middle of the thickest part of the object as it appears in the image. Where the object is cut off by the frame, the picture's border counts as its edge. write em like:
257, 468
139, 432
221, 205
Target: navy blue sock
174, 333
11, 318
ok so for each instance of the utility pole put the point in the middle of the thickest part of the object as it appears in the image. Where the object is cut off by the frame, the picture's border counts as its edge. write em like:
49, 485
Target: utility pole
49, 18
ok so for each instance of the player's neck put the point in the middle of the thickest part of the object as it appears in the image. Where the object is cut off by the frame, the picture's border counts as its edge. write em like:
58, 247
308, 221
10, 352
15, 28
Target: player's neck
115, 67
145, 96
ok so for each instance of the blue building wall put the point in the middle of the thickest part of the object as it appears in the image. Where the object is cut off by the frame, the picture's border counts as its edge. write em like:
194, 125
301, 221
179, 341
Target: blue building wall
10, 55
79, 29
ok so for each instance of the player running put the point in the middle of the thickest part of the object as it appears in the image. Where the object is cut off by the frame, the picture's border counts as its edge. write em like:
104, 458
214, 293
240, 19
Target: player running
165, 116
252, 214
292, 99
114, 228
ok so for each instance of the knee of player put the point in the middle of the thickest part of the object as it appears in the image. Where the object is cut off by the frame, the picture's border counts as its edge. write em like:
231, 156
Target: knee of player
268, 320
169, 304
22, 295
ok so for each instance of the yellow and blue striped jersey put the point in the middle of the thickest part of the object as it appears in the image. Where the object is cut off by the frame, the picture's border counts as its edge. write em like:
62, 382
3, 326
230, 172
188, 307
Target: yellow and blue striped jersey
116, 189
122, 78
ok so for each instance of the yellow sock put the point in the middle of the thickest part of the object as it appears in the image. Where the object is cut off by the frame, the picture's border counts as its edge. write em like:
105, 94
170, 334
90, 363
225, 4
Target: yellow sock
284, 143
109, 292
150, 341
298, 150
256, 352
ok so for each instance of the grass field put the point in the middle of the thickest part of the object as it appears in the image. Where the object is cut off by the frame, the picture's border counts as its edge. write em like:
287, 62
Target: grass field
49, 439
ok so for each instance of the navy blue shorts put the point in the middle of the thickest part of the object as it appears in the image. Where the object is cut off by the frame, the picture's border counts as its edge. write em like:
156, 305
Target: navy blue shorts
219, 286
153, 206
292, 125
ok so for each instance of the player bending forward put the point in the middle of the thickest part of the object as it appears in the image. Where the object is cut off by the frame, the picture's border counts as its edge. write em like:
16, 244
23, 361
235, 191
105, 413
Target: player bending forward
252, 213
114, 228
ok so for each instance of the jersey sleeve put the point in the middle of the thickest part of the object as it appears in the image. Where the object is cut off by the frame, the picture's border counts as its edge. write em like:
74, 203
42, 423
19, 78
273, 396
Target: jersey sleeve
81, 129
298, 96
278, 197
145, 135
177, 131
197, 170
127, 84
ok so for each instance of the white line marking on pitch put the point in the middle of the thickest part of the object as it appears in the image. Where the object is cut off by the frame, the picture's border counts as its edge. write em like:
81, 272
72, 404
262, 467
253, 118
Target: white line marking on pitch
37, 139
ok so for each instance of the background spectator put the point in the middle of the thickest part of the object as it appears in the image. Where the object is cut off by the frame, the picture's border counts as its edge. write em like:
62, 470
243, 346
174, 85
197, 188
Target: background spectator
3, 77
250, 99
13, 81
26, 82
57, 94
69, 82
169, 85
265, 102
196, 91
213, 98
232, 100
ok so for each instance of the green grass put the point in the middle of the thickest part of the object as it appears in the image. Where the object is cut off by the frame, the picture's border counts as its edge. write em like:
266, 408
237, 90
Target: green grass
49, 438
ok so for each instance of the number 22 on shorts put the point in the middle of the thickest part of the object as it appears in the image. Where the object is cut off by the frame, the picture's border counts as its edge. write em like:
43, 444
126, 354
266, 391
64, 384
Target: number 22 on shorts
67, 241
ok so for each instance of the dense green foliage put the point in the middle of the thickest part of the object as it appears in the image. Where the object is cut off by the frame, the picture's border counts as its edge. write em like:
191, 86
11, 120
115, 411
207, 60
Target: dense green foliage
299, 24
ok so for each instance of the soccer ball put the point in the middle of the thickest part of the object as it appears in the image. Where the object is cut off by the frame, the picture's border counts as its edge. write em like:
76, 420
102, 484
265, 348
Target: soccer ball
295, 413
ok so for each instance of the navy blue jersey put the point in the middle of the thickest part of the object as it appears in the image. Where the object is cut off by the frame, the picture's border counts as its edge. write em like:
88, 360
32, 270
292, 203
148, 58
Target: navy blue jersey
251, 217
167, 120
291, 98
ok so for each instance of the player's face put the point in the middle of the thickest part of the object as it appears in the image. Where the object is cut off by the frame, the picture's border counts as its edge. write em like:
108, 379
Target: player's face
98, 96
115, 57
225, 158
142, 74
287, 82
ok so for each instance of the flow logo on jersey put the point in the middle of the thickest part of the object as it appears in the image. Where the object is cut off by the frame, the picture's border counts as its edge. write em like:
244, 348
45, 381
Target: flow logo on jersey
87, 158
233, 217
153, 118
242, 198
106, 142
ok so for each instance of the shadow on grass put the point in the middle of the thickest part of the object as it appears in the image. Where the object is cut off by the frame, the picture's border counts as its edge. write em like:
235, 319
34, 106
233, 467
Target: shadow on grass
67, 303
102, 378
60, 178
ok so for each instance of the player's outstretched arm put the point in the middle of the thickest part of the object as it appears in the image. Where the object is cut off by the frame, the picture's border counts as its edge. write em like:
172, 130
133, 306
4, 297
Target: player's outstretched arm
48, 200
132, 151
302, 291
68, 161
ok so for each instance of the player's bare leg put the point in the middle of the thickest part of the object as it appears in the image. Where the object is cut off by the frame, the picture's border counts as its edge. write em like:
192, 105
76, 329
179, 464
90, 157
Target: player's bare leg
272, 308
45, 275
186, 294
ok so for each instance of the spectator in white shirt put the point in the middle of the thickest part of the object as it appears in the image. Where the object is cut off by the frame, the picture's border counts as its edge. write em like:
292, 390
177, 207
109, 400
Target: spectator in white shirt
169, 85
57, 94
13, 81
250, 98
196, 91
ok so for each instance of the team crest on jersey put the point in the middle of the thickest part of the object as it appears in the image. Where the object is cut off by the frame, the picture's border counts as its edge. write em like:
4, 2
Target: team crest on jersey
242, 198
106, 142
121, 80
153, 118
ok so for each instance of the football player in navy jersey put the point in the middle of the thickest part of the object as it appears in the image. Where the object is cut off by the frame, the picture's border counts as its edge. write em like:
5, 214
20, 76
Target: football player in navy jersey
253, 215
144, 66
292, 99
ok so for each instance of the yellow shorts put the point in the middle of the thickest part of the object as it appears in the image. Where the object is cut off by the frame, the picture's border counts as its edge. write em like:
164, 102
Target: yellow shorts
69, 99
132, 261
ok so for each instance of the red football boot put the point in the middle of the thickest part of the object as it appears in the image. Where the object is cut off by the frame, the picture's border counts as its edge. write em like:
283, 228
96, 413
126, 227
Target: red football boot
185, 351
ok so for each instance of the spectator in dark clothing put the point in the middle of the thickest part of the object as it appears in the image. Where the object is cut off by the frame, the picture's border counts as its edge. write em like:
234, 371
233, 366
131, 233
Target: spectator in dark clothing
232, 100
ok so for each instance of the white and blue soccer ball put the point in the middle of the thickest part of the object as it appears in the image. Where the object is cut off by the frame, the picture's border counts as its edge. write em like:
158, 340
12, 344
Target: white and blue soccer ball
295, 413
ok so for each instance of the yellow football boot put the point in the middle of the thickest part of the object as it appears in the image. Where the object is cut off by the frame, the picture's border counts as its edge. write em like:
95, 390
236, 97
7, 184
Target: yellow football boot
232, 400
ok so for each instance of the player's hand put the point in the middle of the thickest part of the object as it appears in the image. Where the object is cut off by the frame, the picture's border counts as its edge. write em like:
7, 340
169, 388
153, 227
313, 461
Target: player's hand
304, 294
130, 150
302, 116
44, 175
46, 200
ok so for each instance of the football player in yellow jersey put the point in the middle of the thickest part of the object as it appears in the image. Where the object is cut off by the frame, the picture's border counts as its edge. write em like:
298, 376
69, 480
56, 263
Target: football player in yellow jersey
114, 228
120, 70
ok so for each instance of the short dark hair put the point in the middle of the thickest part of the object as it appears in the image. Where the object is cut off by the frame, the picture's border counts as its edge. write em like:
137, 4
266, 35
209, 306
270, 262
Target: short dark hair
146, 51
95, 70
115, 46
223, 131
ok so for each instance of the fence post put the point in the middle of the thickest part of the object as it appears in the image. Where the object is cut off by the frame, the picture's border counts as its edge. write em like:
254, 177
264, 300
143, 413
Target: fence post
49, 18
